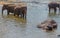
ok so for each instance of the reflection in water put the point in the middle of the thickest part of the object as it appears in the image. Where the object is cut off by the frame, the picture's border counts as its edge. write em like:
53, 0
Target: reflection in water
20, 22
12, 26
18, 19
52, 14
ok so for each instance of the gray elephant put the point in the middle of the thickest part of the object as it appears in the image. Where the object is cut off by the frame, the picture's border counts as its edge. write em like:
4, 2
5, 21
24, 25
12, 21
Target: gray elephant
53, 5
9, 8
20, 11
48, 24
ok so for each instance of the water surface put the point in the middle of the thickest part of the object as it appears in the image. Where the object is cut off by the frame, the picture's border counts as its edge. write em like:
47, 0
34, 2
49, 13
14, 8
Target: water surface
14, 27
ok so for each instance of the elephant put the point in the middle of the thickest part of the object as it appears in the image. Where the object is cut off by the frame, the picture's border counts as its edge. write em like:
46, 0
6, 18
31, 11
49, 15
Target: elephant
16, 9
20, 11
9, 8
48, 24
54, 5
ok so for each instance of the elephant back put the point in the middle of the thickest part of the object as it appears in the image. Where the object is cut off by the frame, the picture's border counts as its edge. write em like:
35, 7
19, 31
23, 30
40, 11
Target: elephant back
52, 5
6, 6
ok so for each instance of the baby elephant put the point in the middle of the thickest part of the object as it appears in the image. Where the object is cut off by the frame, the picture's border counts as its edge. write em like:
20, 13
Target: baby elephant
48, 24
22, 11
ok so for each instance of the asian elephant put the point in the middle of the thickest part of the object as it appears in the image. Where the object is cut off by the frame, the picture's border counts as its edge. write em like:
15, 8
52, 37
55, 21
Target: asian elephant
48, 24
20, 11
9, 8
54, 5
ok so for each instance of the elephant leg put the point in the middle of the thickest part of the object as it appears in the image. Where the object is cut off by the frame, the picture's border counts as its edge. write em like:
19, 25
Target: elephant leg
7, 12
21, 13
59, 8
14, 13
23, 16
49, 10
17, 14
25, 13
55, 10
2, 12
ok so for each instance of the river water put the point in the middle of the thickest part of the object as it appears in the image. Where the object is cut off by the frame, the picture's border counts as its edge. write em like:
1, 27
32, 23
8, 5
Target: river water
14, 27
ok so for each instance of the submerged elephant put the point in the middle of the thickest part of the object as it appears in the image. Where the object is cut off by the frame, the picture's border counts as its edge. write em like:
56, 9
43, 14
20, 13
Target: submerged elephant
48, 24
53, 5
9, 8
20, 11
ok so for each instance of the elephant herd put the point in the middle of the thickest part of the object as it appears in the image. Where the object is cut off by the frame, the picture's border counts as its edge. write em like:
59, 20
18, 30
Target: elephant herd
16, 9
22, 11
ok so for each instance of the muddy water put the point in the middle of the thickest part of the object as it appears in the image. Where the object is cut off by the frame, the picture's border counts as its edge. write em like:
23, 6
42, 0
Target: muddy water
14, 27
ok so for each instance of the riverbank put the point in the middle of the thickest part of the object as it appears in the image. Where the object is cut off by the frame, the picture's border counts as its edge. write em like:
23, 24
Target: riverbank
23, 4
